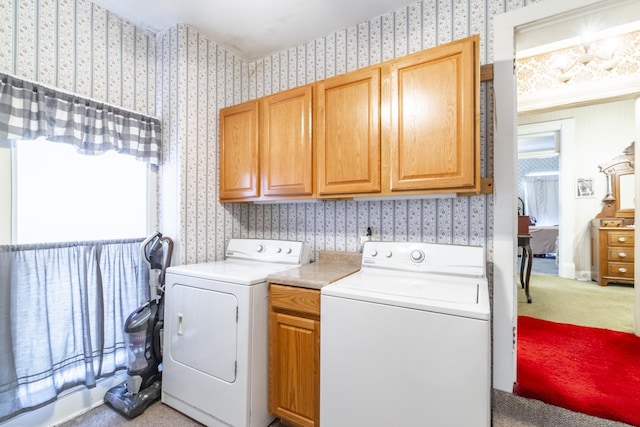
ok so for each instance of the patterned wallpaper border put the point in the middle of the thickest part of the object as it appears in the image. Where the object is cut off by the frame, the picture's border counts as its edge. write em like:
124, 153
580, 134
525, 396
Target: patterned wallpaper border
79, 47
543, 72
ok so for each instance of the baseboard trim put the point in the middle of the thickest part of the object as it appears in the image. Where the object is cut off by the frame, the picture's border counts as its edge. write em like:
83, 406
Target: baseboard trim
71, 404
584, 276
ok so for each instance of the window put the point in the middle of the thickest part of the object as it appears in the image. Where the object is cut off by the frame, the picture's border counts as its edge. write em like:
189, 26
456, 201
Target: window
60, 195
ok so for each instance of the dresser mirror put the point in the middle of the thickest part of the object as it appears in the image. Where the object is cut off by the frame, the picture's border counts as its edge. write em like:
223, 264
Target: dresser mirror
620, 199
626, 190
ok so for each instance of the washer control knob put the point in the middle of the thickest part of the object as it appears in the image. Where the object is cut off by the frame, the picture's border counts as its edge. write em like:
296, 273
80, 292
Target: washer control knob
417, 255
374, 253
278, 250
289, 250
388, 254
260, 247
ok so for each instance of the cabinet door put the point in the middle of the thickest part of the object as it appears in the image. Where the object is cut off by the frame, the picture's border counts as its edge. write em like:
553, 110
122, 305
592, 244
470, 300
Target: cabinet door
348, 133
434, 141
286, 143
239, 151
294, 371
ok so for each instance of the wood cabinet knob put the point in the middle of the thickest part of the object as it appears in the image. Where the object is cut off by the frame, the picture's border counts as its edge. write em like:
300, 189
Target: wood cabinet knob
622, 270
622, 239
622, 254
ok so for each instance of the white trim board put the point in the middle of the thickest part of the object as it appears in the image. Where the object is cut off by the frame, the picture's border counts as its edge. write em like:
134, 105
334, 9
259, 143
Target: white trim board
505, 152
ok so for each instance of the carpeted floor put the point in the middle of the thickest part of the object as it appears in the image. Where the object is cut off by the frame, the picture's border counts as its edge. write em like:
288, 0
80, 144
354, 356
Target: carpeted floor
156, 415
590, 370
579, 303
508, 410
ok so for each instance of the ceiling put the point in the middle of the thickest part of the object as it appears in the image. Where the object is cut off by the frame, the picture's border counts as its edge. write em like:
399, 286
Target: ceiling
569, 29
252, 29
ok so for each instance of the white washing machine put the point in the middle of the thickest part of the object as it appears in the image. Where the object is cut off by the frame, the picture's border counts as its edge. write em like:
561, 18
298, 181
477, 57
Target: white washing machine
215, 333
406, 340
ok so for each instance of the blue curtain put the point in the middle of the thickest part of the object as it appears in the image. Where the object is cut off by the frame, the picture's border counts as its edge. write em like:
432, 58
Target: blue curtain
62, 311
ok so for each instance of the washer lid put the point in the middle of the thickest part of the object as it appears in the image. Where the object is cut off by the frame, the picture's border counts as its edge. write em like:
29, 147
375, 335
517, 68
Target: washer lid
462, 296
242, 272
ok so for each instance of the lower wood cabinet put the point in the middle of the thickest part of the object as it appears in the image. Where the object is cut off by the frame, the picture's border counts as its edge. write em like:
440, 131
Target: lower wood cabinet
612, 257
294, 354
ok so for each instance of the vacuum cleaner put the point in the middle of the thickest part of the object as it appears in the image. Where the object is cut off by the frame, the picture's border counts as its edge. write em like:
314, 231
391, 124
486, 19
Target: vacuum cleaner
143, 337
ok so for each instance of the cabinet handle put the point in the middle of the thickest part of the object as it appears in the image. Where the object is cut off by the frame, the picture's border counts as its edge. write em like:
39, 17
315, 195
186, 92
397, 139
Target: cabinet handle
622, 239
179, 323
622, 270
622, 254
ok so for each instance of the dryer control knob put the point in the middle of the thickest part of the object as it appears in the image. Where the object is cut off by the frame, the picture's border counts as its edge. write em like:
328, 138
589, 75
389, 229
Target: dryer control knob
374, 253
417, 255
278, 250
388, 254
260, 247
289, 250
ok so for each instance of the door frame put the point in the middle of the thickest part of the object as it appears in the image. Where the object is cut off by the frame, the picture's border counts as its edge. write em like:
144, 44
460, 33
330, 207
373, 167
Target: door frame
565, 130
505, 200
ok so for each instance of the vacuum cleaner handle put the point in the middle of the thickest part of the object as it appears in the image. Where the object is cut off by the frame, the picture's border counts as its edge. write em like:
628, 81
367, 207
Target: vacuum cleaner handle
155, 236
166, 258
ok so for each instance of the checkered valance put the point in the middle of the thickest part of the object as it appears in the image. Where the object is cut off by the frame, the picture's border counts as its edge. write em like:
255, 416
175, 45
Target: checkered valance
30, 111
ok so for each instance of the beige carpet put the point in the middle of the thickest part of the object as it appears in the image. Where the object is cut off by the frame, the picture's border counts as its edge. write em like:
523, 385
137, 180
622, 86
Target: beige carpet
156, 415
508, 410
579, 303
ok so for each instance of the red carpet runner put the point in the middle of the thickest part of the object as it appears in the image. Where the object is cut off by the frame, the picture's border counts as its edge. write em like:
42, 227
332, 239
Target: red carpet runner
589, 370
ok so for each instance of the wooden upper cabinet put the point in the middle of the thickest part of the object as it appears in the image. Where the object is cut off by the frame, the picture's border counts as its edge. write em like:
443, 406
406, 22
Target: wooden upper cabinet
286, 143
408, 126
239, 151
434, 139
348, 133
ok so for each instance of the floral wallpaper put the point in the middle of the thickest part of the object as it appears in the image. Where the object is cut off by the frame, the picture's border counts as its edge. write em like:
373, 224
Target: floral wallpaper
79, 47
197, 77
184, 78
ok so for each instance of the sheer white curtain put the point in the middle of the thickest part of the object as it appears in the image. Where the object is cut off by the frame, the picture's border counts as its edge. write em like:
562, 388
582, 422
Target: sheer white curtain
62, 311
542, 199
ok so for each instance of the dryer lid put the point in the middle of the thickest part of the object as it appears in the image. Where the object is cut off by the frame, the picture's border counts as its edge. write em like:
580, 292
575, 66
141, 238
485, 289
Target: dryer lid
242, 272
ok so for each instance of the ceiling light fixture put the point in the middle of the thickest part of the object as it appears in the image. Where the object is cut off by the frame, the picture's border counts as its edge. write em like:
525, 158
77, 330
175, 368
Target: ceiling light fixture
601, 55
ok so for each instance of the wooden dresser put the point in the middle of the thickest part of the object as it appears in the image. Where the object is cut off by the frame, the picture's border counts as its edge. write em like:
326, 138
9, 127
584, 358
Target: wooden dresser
612, 247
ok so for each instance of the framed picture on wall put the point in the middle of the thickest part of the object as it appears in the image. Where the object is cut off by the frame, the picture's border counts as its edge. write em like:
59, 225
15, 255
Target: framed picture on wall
584, 188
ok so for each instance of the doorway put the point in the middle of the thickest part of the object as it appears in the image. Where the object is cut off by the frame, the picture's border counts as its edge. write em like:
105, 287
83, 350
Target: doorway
545, 150
506, 28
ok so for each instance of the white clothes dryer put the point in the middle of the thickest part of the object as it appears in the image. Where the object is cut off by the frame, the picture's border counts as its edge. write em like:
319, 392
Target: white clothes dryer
406, 340
215, 333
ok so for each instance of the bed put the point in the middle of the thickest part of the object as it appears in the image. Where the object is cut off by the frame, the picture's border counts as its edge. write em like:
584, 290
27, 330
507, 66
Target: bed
544, 239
